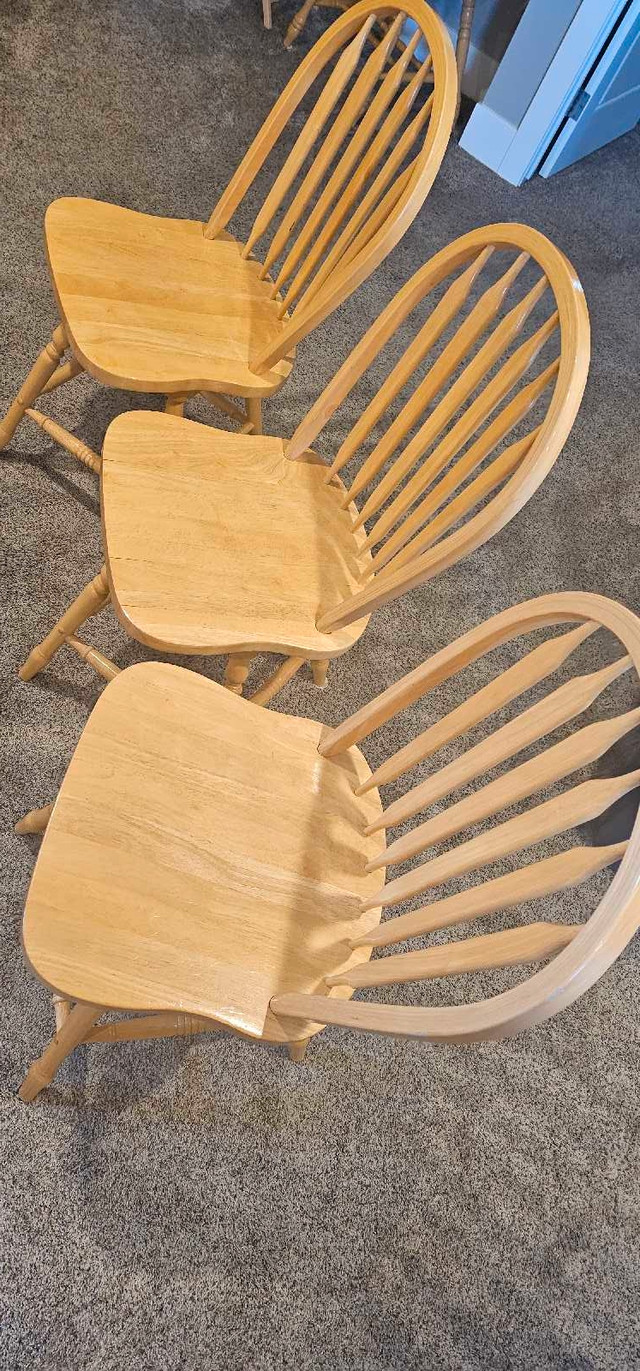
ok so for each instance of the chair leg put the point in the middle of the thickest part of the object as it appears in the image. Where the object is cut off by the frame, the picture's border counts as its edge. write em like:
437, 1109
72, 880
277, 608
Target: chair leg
319, 671
237, 670
35, 821
298, 22
91, 600
62, 1009
72, 1032
297, 1050
254, 415
37, 379
175, 404
266, 13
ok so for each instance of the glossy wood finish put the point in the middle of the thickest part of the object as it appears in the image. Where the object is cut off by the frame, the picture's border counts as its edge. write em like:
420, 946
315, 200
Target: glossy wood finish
423, 510
209, 864
191, 312
174, 306
581, 953
160, 884
219, 542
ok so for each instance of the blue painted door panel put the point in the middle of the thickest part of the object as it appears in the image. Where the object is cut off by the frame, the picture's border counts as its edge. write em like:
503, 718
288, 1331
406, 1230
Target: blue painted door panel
554, 49
610, 102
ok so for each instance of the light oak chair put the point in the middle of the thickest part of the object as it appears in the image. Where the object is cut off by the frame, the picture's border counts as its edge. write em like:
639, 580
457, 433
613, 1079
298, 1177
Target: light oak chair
179, 307
217, 542
207, 864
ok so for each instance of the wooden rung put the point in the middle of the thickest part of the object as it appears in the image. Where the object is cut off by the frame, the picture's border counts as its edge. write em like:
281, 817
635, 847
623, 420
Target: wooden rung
94, 658
565, 757
457, 395
225, 406
324, 105
503, 892
482, 314
510, 947
432, 329
35, 821
167, 1024
66, 440
512, 414
354, 156
554, 816
65, 372
534, 667
284, 673
337, 133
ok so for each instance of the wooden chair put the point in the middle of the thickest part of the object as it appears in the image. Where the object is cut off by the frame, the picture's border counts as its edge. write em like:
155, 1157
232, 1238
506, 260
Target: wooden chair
179, 307
207, 864
217, 542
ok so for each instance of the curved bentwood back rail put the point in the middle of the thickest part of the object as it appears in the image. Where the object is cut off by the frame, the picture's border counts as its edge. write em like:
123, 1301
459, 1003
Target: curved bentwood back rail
564, 672
361, 166
465, 425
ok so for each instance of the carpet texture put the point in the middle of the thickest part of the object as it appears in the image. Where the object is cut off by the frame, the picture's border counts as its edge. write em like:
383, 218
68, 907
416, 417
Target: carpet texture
385, 1205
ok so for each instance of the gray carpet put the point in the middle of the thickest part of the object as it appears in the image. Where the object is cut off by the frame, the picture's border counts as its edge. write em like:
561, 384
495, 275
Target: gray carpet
386, 1205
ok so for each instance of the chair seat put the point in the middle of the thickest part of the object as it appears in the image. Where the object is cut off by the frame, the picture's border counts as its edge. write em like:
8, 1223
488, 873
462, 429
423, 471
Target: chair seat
151, 304
216, 542
201, 856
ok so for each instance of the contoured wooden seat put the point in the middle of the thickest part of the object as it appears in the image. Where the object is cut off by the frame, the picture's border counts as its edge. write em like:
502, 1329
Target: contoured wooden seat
179, 306
218, 542
210, 864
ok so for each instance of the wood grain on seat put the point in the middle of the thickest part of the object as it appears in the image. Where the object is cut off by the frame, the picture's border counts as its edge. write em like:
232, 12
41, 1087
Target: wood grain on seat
151, 304
201, 856
217, 543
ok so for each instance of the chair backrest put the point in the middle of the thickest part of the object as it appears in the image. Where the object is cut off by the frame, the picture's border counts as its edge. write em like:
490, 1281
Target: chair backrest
361, 166
441, 478
580, 952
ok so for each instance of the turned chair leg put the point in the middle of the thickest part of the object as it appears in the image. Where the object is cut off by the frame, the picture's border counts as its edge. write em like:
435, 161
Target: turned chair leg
297, 1050
72, 1031
37, 379
92, 599
254, 415
319, 671
175, 404
237, 670
62, 1009
298, 22
35, 821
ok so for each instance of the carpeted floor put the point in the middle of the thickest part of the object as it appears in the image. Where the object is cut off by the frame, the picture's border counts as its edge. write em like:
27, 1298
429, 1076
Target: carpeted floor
386, 1205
